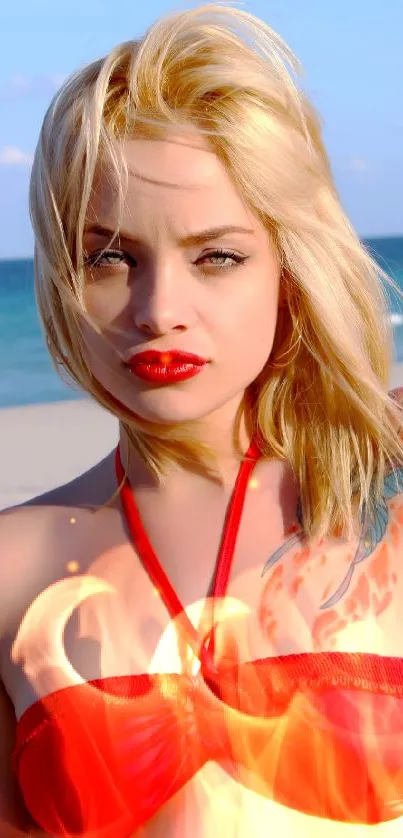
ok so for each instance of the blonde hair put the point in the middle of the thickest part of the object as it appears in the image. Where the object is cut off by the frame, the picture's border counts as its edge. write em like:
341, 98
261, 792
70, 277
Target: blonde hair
321, 403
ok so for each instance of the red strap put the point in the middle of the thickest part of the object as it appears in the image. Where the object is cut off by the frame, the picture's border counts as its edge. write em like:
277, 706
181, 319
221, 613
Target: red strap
233, 519
226, 553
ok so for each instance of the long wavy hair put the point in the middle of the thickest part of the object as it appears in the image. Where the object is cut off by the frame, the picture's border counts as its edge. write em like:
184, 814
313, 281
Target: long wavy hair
321, 402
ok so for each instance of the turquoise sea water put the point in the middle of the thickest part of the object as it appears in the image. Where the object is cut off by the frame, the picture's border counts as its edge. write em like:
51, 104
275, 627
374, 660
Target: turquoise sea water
26, 373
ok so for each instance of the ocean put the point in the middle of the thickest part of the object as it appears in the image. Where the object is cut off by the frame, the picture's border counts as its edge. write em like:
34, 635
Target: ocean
26, 372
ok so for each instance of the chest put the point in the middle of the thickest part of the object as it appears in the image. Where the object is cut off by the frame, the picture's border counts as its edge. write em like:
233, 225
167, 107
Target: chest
105, 616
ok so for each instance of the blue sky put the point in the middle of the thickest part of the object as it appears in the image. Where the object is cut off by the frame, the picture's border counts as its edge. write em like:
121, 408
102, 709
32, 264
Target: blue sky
352, 55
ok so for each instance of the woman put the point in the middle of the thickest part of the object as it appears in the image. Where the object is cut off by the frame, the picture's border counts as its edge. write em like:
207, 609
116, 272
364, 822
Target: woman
196, 275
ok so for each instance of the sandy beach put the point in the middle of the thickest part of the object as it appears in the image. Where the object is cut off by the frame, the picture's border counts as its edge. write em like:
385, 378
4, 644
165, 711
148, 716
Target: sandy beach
43, 446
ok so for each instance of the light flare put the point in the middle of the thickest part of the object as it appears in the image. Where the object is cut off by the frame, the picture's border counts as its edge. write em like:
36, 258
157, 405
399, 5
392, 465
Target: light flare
39, 644
268, 748
72, 566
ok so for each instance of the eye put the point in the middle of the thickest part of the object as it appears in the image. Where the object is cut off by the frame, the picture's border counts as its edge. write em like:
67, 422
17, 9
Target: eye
222, 258
108, 258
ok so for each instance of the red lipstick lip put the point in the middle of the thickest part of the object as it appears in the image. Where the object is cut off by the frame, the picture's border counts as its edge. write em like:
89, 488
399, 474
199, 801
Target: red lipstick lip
169, 356
166, 367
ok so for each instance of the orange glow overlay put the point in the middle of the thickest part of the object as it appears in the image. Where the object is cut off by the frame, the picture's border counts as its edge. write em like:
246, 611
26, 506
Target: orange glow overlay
72, 567
301, 742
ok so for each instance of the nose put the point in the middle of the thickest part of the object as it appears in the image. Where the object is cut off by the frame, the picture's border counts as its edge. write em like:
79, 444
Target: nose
161, 304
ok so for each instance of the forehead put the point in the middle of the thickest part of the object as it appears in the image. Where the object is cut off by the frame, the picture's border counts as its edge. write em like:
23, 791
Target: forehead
179, 161
180, 174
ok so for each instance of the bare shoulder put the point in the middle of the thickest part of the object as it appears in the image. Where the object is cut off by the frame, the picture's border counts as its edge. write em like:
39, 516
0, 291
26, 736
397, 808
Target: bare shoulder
21, 529
36, 538
25, 533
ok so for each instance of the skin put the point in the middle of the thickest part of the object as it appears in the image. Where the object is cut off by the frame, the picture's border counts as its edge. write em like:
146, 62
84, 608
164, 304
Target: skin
365, 589
160, 294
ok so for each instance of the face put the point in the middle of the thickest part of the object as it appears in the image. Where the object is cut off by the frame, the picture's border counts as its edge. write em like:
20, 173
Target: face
173, 281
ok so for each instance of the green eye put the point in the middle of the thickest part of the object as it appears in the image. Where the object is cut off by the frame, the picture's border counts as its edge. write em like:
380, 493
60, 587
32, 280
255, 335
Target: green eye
221, 256
107, 258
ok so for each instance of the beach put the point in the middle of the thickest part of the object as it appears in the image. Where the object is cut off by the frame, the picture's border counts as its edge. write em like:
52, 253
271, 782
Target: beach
46, 445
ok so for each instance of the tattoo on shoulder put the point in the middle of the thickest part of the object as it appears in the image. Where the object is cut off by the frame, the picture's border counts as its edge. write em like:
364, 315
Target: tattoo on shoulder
373, 529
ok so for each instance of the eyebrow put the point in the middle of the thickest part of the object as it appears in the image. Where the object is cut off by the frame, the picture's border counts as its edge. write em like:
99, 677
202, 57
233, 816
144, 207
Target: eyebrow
189, 240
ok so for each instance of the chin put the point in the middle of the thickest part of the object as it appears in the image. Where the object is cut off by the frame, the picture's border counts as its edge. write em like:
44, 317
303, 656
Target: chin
168, 416
171, 408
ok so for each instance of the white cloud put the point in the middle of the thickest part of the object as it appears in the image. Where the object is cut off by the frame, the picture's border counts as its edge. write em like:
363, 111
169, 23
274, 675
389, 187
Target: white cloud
13, 156
357, 164
351, 164
22, 85
19, 81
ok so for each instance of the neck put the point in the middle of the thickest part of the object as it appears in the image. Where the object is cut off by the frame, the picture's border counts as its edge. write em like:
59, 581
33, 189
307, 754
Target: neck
228, 444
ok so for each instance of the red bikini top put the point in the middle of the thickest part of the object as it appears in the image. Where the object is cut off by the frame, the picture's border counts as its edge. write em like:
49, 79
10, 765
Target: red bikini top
317, 732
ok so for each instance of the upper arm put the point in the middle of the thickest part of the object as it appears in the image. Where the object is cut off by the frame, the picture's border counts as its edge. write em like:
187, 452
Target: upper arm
23, 538
14, 819
12, 814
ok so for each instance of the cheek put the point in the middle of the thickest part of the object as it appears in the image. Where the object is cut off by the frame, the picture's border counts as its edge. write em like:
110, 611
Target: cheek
107, 304
98, 350
92, 346
253, 319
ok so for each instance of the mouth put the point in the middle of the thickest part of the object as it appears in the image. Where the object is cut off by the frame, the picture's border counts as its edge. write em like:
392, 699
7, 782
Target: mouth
165, 367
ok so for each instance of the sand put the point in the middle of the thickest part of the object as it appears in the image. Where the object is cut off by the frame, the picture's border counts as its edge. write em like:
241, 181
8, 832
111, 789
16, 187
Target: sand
43, 446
